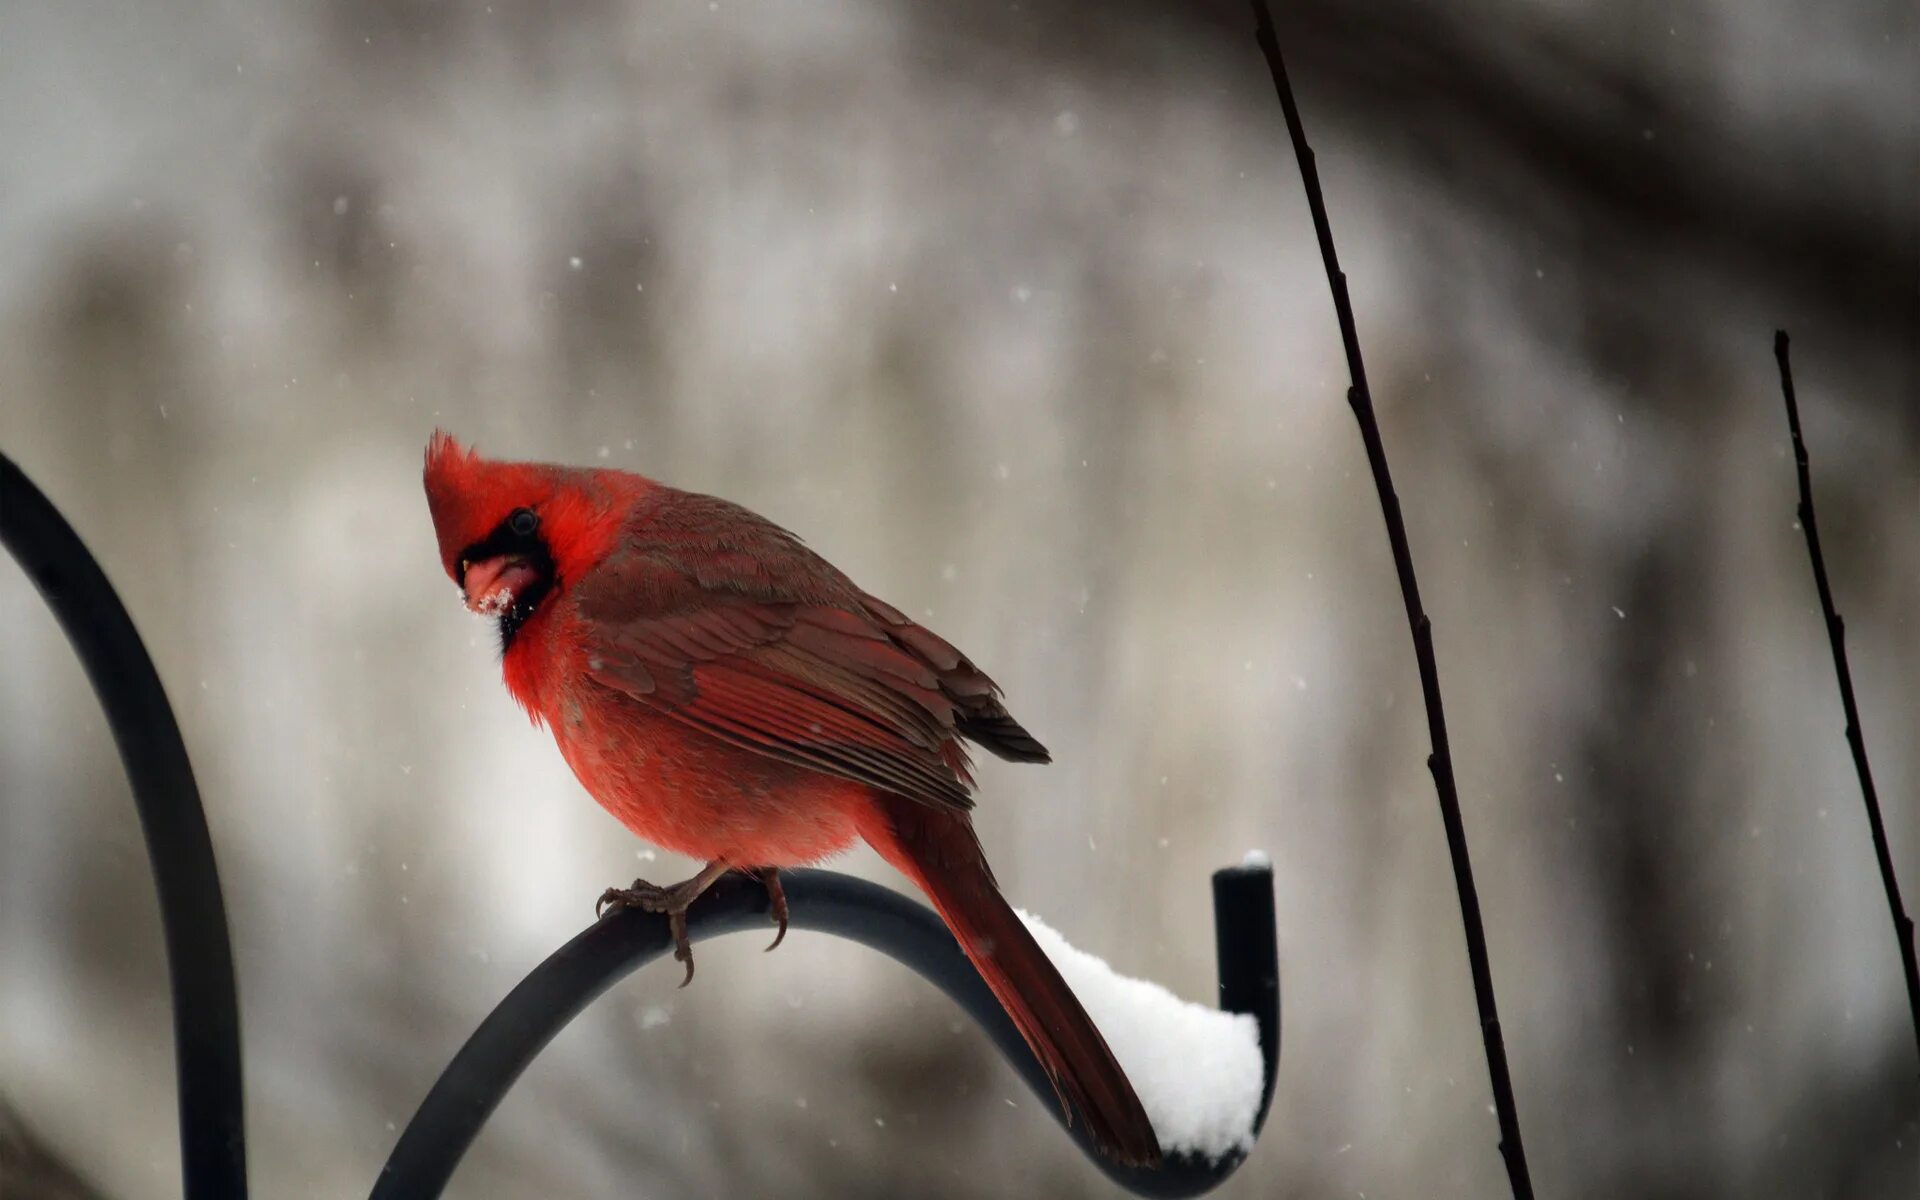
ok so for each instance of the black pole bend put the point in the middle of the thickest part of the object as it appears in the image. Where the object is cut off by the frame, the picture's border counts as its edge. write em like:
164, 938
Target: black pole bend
828, 902
206, 1011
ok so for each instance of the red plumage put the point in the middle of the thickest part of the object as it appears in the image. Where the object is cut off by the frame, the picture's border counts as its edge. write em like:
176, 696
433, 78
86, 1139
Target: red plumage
728, 695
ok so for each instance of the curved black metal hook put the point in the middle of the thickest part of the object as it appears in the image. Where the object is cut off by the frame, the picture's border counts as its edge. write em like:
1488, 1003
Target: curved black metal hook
206, 1009
574, 976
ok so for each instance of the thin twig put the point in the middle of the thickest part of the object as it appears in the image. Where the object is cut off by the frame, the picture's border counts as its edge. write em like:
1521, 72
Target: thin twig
1837, 635
1440, 761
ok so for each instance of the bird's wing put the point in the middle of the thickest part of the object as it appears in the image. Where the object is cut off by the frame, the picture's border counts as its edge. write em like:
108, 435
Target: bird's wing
730, 625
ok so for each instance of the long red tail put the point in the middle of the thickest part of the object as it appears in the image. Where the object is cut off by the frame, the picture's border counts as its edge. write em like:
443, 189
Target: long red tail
937, 849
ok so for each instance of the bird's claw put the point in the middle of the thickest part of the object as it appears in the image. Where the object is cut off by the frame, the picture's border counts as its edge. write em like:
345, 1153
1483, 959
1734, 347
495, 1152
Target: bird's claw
650, 897
647, 897
673, 901
682, 948
777, 897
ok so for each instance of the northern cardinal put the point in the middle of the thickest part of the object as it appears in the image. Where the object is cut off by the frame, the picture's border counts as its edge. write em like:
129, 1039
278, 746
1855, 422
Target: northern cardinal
728, 695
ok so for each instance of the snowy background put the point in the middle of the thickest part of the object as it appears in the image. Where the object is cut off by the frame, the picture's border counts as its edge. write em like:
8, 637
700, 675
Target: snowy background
1013, 311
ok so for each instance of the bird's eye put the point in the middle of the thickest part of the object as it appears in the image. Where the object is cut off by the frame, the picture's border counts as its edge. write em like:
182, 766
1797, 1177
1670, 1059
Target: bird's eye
523, 522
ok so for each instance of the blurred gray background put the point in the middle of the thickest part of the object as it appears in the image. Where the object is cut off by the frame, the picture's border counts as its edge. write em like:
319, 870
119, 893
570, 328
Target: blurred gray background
1014, 312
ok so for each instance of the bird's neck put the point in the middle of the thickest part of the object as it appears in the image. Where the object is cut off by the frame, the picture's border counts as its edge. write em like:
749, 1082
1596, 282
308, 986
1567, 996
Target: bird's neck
531, 665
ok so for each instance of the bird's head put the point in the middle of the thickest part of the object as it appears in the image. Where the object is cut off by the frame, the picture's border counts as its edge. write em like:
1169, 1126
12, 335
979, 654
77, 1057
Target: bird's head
511, 533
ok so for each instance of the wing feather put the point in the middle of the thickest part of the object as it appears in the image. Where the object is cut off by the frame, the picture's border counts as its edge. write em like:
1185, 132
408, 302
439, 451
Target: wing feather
725, 622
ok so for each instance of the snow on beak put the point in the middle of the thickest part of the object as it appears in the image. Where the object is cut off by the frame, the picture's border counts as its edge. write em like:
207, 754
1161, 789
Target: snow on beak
492, 585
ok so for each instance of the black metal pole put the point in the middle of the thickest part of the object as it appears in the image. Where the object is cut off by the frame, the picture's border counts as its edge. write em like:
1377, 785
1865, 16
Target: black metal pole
1246, 946
827, 902
206, 1010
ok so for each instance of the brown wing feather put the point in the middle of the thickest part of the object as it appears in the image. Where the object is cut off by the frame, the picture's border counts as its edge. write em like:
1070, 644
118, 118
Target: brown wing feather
726, 622
979, 715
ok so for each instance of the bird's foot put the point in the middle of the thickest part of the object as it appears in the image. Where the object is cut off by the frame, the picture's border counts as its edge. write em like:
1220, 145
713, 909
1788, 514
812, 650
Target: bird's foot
672, 900
777, 896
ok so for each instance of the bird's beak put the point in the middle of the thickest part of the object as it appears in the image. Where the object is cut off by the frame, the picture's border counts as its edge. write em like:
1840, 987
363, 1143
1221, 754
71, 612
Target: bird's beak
493, 584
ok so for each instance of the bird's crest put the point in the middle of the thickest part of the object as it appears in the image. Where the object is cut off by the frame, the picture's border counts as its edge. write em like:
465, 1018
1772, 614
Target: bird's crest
469, 495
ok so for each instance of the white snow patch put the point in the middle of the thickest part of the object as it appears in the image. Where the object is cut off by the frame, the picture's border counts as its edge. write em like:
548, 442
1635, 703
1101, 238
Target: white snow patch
1196, 1069
654, 1016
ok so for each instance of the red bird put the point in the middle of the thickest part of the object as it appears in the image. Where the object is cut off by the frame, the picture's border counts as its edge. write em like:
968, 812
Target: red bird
728, 695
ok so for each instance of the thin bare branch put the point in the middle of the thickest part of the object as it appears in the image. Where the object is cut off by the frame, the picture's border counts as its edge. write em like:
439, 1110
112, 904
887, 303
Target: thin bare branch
1440, 761
1837, 636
